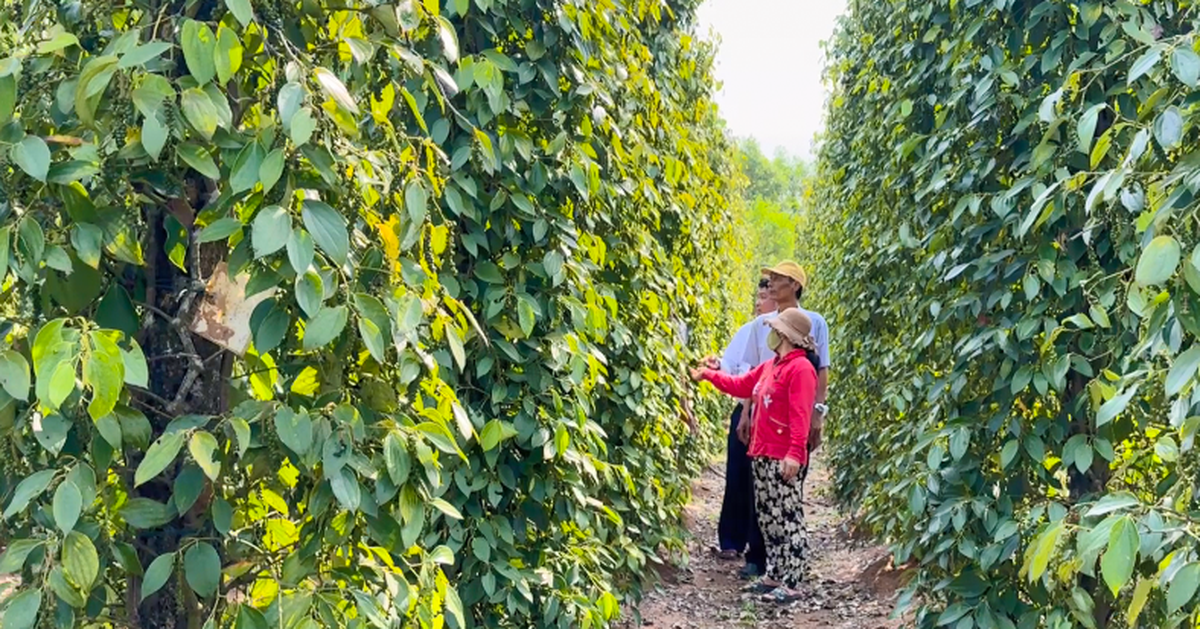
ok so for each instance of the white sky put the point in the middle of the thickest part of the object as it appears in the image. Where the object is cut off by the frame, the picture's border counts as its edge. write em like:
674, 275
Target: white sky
770, 62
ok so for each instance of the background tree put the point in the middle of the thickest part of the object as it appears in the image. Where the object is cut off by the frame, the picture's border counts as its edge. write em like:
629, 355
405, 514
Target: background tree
774, 195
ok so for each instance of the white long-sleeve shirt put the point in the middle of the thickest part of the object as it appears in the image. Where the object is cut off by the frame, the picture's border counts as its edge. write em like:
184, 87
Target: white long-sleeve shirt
748, 349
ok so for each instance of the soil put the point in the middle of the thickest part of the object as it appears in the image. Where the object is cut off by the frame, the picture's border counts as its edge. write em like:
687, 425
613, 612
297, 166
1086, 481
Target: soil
852, 583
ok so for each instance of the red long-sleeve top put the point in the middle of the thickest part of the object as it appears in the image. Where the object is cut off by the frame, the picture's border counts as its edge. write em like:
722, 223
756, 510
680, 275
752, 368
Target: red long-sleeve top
782, 392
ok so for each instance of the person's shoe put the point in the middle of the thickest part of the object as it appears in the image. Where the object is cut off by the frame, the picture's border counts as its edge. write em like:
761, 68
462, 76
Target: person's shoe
726, 555
781, 596
749, 571
759, 587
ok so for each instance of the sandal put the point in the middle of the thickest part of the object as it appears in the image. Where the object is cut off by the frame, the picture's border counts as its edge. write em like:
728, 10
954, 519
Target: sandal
749, 571
759, 587
780, 596
726, 555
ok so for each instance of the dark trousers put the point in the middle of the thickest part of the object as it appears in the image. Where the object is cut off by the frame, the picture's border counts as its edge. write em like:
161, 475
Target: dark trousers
738, 527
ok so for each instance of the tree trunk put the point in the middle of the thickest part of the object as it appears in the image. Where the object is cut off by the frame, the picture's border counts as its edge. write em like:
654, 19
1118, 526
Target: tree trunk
187, 376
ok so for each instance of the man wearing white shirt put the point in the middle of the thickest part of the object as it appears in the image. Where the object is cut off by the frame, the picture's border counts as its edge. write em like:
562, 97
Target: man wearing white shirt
786, 282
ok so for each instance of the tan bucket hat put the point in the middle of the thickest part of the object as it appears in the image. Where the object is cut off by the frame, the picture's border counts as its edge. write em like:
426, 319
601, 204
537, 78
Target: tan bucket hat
796, 327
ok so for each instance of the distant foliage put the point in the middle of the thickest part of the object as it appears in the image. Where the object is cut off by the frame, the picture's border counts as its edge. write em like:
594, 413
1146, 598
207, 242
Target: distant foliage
775, 193
475, 230
1007, 250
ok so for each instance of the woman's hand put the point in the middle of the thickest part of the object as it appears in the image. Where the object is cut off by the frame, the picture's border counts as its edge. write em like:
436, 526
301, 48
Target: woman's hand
743, 427
697, 374
711, 362
790, 468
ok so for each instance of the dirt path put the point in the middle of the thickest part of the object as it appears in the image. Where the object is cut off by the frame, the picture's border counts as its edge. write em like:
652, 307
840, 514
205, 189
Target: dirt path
851, 587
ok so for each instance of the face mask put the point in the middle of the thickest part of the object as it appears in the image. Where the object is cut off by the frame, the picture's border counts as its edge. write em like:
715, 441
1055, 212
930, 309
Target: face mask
773, 341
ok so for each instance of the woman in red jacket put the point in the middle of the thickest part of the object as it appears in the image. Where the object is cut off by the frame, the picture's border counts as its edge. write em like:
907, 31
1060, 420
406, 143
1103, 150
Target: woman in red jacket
782, 393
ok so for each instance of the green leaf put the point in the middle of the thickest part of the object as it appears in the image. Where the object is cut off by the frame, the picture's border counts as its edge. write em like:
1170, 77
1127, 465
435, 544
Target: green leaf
396, 459
1118, 561
1141, 594
492, 434
203, 447
199, 51
143, 54
244, 175
446, 508
81, 563
1086, 129
51, 432
1183, 370
1185, 63
328, 230
8, 99
295, 430
135, 428
200, 112
290, 100
302, 126
1110, 409
22, 610
137, 372
310, 292
372, 337
161, 454
1144, 64
448, 39
59, 42
1183, 587
222, 513
416, 199
154, 135
13, 559
1159, 261
14, 374
199, 159
87, 240
1168, 128
300, 250
27, 490
346, 489
335, 89
68, 505
202, 569
456, 347
442, 556
323, 328
1009, 452
271, 169
562, 439
219, 230
189, 484
228, 58
149, 96
144, 513
127, 558
526, 315
64, 590
103, 373
489, 272
270, 230
33, 156
157, 574
241, 11
1044, 549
